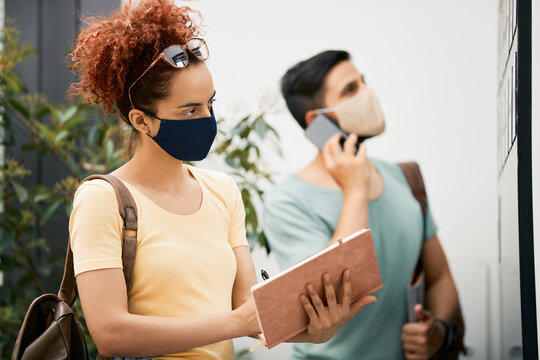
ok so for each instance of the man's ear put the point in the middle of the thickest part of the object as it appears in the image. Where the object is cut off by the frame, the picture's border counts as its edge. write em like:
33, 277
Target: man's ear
140, 121
310, 115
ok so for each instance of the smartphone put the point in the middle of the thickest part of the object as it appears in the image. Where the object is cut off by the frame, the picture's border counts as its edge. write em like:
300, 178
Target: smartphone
323, 128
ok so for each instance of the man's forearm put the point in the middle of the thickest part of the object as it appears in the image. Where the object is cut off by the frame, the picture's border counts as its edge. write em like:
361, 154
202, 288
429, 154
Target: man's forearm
353, 216
442, 300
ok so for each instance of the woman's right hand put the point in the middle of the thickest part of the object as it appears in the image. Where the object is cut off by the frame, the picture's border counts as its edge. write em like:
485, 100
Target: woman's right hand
246, 316
325, 321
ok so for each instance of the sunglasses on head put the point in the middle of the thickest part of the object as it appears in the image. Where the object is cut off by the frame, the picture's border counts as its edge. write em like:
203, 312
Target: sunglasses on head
177, 57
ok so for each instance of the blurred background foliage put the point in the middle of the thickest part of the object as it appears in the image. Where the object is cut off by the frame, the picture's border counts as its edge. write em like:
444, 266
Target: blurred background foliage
85, 141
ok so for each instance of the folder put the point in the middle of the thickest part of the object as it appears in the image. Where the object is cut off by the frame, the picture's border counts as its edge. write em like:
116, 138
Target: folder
415, 292
279, 311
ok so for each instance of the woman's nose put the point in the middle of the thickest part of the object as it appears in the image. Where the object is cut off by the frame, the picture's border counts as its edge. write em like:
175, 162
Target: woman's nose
207, 112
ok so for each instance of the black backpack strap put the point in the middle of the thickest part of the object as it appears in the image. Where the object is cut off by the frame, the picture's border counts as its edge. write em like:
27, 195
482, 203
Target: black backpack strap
128, 211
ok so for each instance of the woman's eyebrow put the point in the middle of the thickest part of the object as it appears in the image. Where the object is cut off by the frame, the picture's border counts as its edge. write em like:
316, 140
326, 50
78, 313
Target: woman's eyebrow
197, 104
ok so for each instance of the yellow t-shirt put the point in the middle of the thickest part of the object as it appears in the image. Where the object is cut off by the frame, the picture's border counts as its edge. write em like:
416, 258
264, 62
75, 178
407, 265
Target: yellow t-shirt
185, 265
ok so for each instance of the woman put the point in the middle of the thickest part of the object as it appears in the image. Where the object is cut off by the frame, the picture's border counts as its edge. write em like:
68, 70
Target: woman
193, 271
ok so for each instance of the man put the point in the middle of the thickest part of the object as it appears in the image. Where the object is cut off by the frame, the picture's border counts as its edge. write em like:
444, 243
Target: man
342, 191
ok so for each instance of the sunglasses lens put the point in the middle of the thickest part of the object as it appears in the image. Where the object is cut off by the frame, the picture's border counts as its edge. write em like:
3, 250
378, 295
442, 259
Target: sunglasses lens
198, 48
176, 56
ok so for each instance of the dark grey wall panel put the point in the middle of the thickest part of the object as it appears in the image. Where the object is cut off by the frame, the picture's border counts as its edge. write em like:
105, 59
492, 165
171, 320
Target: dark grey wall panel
26, 15
59, 25
93, 7
50, 26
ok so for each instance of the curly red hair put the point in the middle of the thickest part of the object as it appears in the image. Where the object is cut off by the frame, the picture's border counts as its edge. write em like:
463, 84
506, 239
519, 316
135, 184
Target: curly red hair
112, 51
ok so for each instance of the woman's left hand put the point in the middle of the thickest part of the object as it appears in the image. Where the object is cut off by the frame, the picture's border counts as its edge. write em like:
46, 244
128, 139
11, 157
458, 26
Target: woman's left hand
325, 321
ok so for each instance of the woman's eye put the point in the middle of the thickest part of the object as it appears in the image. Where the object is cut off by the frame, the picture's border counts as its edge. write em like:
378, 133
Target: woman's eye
189, 112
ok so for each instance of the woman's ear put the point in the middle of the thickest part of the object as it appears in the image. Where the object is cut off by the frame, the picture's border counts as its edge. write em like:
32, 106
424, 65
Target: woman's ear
310, 115
140, 121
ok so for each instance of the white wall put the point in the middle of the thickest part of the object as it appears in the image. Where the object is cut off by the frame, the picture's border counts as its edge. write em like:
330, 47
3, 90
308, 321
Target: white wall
433, 64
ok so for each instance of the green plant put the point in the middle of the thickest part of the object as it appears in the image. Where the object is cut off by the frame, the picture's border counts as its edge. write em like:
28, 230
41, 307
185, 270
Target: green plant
85, 141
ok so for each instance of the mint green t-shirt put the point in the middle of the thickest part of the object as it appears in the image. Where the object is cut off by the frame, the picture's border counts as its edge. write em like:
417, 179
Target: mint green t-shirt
300, 218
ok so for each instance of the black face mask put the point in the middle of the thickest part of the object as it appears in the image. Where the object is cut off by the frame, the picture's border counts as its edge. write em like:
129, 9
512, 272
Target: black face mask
188, 140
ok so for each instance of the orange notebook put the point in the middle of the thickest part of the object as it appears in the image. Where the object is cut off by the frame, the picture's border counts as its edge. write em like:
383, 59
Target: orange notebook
279, 311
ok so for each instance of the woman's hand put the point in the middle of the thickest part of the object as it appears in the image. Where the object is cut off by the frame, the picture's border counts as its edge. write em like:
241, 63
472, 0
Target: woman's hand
246, 318
325, 321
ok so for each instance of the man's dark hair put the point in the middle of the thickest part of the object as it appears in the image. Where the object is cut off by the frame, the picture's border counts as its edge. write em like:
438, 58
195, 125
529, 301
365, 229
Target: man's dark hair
302, 84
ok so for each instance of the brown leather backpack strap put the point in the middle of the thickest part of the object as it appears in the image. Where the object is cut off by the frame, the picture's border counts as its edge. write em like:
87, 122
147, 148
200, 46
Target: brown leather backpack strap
416, 182
128, 211
412, 173
67, 286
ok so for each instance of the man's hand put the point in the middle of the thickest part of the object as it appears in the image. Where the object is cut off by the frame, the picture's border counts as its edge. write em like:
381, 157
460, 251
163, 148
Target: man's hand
422, 339
349, 170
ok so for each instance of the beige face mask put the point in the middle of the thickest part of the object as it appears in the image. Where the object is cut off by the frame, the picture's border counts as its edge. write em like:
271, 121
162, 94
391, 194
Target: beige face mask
361, 114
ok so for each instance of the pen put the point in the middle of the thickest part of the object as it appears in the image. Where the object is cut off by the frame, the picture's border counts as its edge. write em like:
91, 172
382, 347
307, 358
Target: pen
264, 275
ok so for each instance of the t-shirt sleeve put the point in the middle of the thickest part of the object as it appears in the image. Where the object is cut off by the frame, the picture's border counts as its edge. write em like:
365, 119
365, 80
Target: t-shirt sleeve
95, 228
237, 216
431, 226
292, 232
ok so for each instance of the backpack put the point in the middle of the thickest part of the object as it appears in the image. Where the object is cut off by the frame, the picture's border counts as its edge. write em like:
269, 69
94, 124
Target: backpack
412, 173
49, 329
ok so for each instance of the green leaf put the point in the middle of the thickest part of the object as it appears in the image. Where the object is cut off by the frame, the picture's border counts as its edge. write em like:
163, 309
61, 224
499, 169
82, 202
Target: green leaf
232, 162
61, 136
4, 338
252, 238
41, 195
21, 192
68, 114
6, 239
263, 241
42, 111
93, 135
260, 127
6, 261
30, 146
48, 213
25, 280
44, 132
69, 208
245, 133
251, 214
14, 83
45, 269
272, 130
109, 149
74, 123
21, 109
243, 354
244, 155
238, 129
38, 243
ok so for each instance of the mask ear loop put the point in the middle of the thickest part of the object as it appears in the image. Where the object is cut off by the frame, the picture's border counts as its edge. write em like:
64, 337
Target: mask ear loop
325, 110
151, 115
